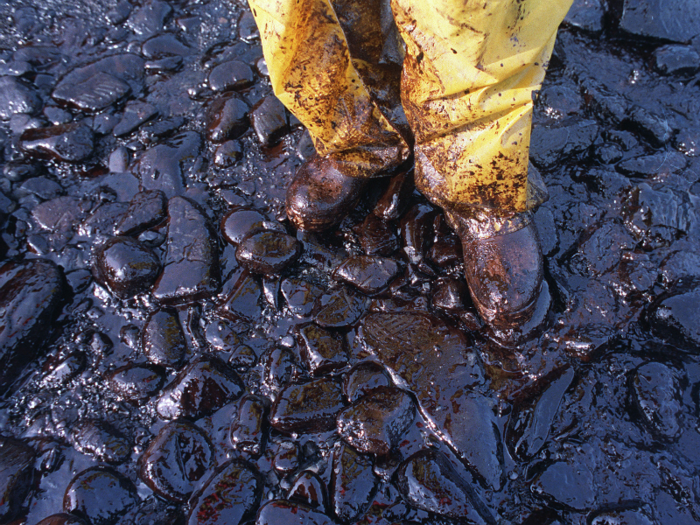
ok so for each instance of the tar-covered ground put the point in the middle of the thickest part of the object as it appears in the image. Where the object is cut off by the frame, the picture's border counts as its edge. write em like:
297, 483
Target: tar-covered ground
172, 351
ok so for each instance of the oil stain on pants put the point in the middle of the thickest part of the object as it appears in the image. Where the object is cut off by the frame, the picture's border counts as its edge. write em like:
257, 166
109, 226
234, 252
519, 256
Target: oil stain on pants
452, 80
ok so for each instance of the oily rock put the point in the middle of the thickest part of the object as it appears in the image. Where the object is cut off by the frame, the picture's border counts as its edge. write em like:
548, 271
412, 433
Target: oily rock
309, 407
164, 342
125, 266
657, 399
268, 252
100, 496
353, 483
16, 476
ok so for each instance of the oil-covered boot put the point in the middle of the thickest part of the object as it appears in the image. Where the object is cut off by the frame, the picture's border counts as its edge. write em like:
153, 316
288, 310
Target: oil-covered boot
320, 196
503, 267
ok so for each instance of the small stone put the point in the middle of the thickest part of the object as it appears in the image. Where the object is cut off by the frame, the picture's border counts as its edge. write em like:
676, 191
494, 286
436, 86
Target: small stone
164, 342
136, 383
666, 163
233, 74
146, 209
69, 142
653, 126
135, 114
240, 223
568, 485
310, 407
191, 267
340, 309
323, 351
65, 370
369, 273
244, 300
676, 60
377, 237
61, 519
204, 386
16, 476
280, 511
450, 295
119, 160
674, 318
16, 97
657, 398
376, 422
227, 118
428, 481
150, 18
586, 14
674, 20
125, 266
310, 490
363, 379
285, 457
175, 480
446, 251
247, 428
622, 517
152, 511
269, 119
99, 439
268, 252
353, 483
231, 496
278, 367
100, 496
228, 153
161, 46
301, 296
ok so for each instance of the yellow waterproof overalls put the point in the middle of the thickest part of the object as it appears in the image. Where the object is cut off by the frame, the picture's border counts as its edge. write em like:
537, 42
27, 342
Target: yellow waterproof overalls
465, 78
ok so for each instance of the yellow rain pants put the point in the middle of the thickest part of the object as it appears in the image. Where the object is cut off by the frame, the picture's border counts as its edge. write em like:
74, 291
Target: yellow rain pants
466, 74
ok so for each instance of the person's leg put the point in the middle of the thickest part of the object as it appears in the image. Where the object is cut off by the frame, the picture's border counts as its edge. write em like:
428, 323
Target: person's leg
470, 72
327, 76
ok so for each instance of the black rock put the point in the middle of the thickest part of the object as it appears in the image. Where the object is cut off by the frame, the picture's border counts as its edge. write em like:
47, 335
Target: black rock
586, 14
450, 295
164, 342
65, 370
310, 490
176, 460
268, 252
353, 483
674, 318
419, 348
340, 308
280, 511
231, 496
567, 138
623, 517
227, 118
247, 431
446, 251
62, 519
310, 407
652, 125
125, 266
228, 153
69, 142
31, 297
416, 228
368, 273
269, 119
233, 74
657, 399
396, 198
100, 496
160, 168
278, 367
376, 422
16, 97
136, 383
161, 46
675, 59
674, 20
680, 265
100, 439
191, 269
603, 250
16, 476
150, 18
153, 511
146, 209
301, 296
570, 486
363, 379
376, 236
646, 166
102, 83
428, 481
240, 223
244, 299
202, 387
323, 351
135, 114
285, 456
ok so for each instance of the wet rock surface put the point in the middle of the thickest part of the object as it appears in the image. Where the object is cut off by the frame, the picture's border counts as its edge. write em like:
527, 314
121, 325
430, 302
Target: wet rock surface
173, 351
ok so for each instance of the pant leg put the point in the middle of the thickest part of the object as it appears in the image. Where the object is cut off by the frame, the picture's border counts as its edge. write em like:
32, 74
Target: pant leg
315, 77
470, 72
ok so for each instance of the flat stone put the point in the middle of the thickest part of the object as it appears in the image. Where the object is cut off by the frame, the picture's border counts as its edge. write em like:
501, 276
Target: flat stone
309, 407
68, 142
227, 118
160, 168
32, 295
100, 496
146, 209
162, 46
340, 308
248, 426
16, 97
125, 266
376, 422
240, 223
586, 14
136, 383
269, 119
420, 348
368, 273
202, 387
233, 74
376, 236
323, 351
300, 295
164, 342
135, 114
244, 300
191, 269
61, 518
353, 483
363, 379
428, 481
101, 440
228, 153
674, 20
175, 480
232, 495
310, 490
567, 138
665, 163
278, 366
568, 485
16, 476
268, 252
677, 60
656, 396
281, 511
